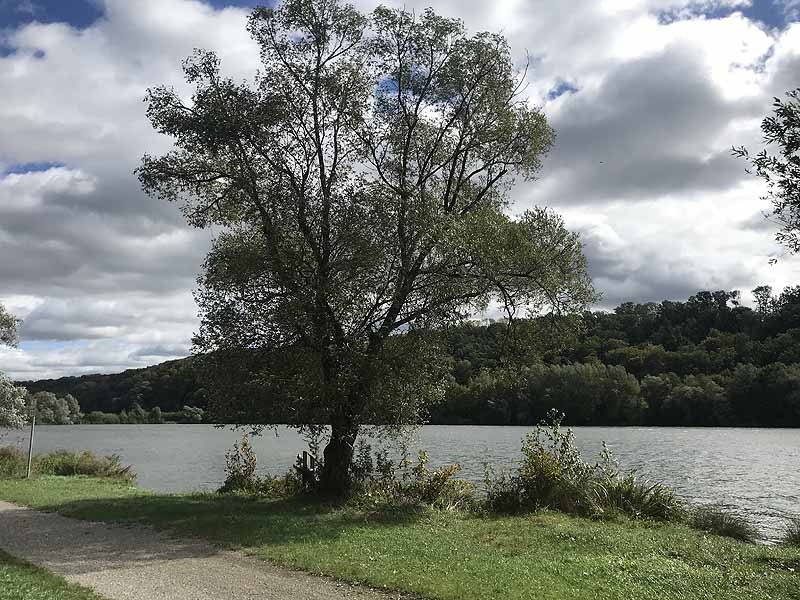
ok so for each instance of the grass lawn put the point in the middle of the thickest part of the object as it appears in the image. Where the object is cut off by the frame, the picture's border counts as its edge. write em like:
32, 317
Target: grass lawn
22, 581
447, 555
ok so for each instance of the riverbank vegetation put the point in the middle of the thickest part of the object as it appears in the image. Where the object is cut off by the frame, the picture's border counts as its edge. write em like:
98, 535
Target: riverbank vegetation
551, 475
21, 580
14, 464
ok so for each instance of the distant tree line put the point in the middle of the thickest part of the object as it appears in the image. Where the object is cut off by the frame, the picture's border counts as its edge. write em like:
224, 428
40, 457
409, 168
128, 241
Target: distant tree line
51, 409
708, 361
173, 387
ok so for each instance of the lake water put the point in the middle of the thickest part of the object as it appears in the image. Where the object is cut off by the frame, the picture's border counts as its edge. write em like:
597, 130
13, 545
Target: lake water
755, 471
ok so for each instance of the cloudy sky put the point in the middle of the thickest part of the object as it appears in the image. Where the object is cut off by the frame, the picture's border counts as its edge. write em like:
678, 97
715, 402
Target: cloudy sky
647, 97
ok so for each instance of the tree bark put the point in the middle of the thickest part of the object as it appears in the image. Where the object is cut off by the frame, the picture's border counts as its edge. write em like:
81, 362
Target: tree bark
338, 455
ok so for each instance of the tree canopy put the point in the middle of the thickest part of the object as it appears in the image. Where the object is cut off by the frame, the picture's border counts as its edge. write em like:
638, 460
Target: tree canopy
361, 183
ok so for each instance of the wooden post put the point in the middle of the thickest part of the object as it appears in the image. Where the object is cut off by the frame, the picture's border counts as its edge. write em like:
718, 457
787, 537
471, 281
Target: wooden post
30, 443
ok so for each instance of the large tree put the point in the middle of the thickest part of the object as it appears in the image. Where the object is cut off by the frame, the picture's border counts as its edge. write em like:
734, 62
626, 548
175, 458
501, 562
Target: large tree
360, 186
12, 398
781, 169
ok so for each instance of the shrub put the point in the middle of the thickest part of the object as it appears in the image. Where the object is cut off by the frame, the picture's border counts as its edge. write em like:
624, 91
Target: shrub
791, 534
101, 418
377, 483
438, 487
240, 466
553, 475
716, 519
14, 463
503, 492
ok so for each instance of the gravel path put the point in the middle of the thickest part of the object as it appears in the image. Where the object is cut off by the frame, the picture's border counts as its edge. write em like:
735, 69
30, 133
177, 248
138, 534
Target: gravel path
138, 563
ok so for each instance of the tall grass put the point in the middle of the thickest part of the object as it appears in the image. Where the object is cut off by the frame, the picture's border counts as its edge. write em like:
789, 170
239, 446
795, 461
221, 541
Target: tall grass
791, 534
715, 519
14, 462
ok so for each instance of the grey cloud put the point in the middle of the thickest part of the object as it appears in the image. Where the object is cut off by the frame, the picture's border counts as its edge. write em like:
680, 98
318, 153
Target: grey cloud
161, 352
760, 222
649, 130
630, 273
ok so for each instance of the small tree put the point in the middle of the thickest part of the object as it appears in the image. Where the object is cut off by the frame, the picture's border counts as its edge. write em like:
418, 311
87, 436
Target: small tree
781, 170
12, 398
12, 404
361, 189
8, 328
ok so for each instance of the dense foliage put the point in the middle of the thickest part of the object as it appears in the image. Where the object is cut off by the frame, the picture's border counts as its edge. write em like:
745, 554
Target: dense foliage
12, 404
708, 361
53, 410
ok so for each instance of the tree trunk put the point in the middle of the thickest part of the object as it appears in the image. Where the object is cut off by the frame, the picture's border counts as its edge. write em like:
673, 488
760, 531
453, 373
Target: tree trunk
338, 454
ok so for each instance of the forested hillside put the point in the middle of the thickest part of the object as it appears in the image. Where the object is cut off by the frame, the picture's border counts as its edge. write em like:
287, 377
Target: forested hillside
706, 361
169, 385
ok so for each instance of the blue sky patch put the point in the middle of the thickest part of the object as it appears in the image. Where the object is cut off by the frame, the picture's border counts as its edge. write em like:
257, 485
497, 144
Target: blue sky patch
31, 167
561, 88
46, 346
771, 13
77, 13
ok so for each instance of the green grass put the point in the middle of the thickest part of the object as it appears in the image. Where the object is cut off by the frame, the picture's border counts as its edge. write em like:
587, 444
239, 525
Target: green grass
446, 555
20, 580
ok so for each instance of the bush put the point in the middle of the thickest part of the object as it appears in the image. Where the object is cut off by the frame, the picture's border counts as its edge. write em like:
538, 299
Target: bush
101, 418
240, 466
503, 493
378, 483
791, 534
553, 475
437, 487
14, 463
716, 519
